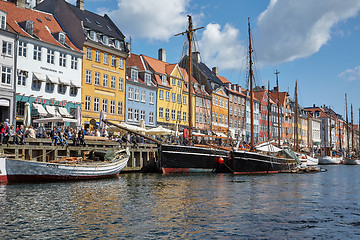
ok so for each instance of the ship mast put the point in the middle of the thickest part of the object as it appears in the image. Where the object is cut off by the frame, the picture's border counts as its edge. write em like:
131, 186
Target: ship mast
278, 105
296, 120
251, 92
189, 34
347, 128
268, 119
352, 129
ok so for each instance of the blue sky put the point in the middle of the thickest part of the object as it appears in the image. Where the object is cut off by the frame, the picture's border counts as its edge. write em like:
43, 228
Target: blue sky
314, 42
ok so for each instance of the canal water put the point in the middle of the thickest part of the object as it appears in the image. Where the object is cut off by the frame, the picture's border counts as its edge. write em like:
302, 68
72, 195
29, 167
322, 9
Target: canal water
196, 206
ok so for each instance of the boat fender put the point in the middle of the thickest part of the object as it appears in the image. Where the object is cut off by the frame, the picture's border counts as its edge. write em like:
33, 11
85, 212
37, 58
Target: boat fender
220, 160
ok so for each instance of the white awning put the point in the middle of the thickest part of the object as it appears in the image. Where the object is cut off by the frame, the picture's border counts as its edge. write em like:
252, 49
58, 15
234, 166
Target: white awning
52, 79
52, 110
41, 110
64, 81
54, 119
220, 134
39, 76
64, 112
75, 84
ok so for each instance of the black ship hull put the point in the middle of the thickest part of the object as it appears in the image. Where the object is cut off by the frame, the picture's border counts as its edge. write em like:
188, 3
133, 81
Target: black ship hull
251, 162
184, 159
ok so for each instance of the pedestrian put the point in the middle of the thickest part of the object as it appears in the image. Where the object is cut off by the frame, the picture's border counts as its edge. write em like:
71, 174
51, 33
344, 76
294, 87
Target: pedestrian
4, 133
21, 134
41, 131
31, 132
81, 137
13, 134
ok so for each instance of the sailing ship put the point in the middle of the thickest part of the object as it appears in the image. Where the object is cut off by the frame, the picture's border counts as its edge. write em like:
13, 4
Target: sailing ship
349, 159
250, 161
68, 168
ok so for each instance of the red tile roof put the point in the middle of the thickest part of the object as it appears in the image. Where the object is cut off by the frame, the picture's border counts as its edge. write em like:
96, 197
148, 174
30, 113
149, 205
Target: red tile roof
223, 79
135, 60
44, 26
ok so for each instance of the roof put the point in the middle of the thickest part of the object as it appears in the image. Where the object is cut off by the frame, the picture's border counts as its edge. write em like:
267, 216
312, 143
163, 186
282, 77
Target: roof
223, 79
135, 60
312, 110
98, 23
45, 26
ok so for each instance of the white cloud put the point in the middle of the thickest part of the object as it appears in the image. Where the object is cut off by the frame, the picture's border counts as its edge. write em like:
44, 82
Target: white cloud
288, 30
351, 74
154, 20
222, 47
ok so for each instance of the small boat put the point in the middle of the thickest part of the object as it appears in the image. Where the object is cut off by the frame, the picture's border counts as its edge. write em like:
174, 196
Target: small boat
69, 168
330, 160
351, 161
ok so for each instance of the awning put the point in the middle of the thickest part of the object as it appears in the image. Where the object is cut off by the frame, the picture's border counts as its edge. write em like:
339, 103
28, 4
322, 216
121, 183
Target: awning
52, 110
220, 134
64, 112
39, 76
75, 84
64, 81
41, 110
52, 79
54, 119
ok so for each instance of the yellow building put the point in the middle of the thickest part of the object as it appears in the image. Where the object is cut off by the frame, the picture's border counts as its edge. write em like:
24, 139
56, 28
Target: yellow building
172, 95
220, 111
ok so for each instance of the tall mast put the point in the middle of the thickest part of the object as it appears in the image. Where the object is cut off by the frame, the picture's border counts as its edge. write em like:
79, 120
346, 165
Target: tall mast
347, 128
251, 92
359, 133
339, 135
296, 120
352, 129
189, 33
268, 117
330, 127
278, 98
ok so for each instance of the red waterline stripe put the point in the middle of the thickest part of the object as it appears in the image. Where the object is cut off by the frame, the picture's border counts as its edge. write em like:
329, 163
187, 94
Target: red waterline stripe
175, 170
260, 172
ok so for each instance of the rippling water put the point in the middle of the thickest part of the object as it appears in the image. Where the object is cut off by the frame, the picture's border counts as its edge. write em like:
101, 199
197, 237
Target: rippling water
196, 206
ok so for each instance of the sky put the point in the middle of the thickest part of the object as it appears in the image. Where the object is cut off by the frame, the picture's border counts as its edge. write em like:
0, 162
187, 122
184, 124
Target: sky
316, 43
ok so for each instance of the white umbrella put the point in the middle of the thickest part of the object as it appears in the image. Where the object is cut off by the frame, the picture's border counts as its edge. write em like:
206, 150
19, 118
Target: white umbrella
27, 116
142, 125
101, 122
132, 127
160, 131
78, 118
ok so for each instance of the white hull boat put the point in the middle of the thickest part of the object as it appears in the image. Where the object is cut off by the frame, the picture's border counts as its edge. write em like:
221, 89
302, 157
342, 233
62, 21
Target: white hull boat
329, 160
351, 162
15, 170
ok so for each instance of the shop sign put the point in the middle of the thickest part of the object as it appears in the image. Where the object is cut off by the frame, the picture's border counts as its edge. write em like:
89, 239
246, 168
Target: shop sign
51, 102
4, 102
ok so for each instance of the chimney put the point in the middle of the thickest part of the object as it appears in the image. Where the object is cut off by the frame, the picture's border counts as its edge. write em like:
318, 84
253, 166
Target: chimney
314, 105
162, 54
20, 3
263, 87
215, 70
196, 57
275, 89
80, 4
128, 46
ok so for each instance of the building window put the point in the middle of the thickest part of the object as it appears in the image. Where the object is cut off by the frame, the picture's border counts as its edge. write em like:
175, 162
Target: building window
235, 111
184, 117
161, 112
36, 85
196, 117
106, 58
142, 114
147, 78
197, 101
130, 114
88, 77
97, 78
134, 75
184, 100
92, 35
7, 48
173, 97
37, 53
112, 107
3, 22
151, 117
167, 96
87, 103
88, 53
173, 81
97, 56
106, 40
151, 98
230, 111
61, 89
105, 80
50, 56
121, 63
230, 98
167, 114
163, 79
104, 105
121, 84
179, 115
142, 96
113, 82
22, 78
96, 104
113, 61
74, 62
131, 93
120, 108
137, 95
5, 75
62, 59
161, 94
22, 49
73, 91
173, 114
49, 87
136, 115
179, 83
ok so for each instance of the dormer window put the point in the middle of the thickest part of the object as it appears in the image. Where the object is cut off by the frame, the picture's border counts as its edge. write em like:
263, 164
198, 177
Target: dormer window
92, 35
196, 85
61, 37
203, 88
117, 44
134, 75
163, 79
3, 19
29, 27
106, 40
148, 78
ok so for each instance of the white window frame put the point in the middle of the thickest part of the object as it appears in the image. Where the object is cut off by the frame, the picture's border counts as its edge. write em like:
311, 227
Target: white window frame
96, 104
120, 108
22, 52
62, 59
97, 79
112, 107
87, 103
131, 93
88, 53
143, 95
106, 58
121, 84
97, 56
152, 97
113, 82
6, 73
37, 53
88, 76
105, 105
130, 115
105, 80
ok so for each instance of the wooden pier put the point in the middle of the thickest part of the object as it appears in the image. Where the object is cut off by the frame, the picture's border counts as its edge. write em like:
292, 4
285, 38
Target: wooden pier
143, 156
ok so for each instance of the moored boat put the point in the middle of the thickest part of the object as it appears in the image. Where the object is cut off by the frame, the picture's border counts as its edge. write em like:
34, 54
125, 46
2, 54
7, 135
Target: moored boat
17, 170
330, 160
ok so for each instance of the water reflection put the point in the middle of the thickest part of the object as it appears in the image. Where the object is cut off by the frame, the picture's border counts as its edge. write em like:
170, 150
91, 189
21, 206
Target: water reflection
197, 206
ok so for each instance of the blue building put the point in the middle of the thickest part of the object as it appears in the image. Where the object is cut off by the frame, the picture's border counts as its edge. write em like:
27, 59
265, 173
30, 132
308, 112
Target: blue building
140, 100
